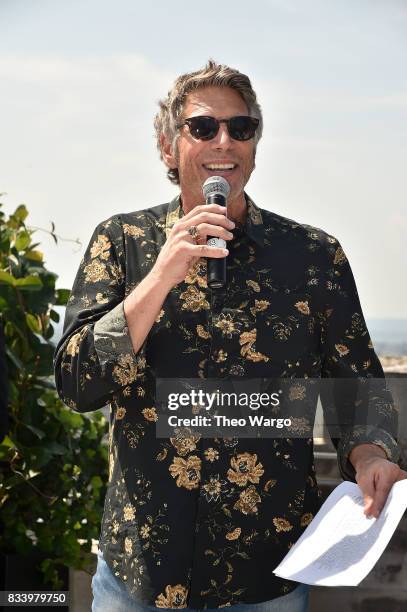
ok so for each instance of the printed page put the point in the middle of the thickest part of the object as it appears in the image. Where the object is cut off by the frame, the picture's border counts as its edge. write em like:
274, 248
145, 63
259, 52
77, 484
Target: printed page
341, 545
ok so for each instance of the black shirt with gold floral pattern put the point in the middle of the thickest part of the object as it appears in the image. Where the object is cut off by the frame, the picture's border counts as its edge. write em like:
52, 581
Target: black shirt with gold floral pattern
202, 522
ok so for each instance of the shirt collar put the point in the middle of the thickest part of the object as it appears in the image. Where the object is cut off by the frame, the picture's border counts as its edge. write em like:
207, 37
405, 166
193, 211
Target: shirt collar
253, 225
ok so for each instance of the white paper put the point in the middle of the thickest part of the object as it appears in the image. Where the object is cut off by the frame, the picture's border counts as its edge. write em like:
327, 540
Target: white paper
341, 545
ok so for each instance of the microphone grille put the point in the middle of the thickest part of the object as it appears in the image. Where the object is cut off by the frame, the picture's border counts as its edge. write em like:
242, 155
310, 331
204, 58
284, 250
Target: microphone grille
216, 185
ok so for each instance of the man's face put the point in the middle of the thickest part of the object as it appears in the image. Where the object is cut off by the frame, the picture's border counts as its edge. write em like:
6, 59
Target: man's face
193, 156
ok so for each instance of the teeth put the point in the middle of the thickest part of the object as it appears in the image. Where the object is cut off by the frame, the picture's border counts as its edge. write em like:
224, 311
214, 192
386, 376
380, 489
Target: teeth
220, 166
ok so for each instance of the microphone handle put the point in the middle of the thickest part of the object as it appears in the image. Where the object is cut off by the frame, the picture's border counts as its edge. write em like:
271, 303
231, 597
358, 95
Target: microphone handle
216, 267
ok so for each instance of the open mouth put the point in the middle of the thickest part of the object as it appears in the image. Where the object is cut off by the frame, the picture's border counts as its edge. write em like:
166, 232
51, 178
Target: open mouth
220, 168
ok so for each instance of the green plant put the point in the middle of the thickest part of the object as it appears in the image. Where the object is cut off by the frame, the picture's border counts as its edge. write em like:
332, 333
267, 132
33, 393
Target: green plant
53, 460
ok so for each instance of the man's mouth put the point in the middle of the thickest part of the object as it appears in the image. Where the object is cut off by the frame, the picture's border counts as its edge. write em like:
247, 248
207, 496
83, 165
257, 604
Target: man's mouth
220, 167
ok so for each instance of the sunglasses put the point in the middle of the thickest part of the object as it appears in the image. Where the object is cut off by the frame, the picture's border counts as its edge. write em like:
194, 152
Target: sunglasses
206, 128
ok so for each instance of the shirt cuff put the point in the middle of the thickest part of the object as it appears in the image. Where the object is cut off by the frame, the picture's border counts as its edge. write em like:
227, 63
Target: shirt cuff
364, 435
112, 338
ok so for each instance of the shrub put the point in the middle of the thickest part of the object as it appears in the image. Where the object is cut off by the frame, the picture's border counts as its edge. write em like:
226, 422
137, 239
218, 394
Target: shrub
53, 460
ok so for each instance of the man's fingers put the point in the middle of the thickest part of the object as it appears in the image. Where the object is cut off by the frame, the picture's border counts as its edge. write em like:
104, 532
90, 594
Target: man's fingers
205, 230
383, 485
376, 486
214, 214
375, 477
368, 490
202, 250
368, 509
214, 208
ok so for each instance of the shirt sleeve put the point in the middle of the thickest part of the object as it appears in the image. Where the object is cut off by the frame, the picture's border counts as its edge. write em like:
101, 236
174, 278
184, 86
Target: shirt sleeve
95, 357
356, 397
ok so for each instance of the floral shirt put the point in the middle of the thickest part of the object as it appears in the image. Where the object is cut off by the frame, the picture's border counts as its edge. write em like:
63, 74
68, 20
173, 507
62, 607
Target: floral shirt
202, 522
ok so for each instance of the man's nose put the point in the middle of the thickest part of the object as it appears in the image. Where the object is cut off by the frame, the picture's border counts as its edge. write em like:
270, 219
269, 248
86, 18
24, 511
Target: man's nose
222, 138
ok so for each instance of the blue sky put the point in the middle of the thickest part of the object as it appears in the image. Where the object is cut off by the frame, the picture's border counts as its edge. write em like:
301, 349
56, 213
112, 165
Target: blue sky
79, 84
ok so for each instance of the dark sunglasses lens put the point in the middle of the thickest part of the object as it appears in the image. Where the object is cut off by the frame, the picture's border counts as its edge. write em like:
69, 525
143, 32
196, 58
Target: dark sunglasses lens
243, 128
203, 128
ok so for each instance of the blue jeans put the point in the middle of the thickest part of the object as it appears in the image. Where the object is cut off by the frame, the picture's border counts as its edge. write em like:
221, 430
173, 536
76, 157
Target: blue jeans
110, 595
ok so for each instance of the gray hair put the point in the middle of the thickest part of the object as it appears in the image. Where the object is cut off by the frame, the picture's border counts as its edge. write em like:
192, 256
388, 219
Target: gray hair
172, 106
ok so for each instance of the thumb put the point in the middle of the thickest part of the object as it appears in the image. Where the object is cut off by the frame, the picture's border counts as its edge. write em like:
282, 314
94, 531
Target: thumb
368, 490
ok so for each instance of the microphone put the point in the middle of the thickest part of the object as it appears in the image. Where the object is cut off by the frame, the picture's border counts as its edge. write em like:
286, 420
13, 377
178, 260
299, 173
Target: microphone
216, 190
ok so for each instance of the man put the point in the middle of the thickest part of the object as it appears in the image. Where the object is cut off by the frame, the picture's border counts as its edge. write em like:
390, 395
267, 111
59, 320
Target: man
200, 523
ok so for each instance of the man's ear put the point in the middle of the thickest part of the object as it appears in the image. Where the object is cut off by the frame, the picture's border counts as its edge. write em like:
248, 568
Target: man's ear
167, 152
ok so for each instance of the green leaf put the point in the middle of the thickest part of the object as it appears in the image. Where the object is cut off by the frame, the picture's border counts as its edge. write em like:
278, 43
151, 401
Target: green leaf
38, 432
29, 283
32, 473
4, 452
8, 442
7, 278
96, 482
70, 419
33, 323
34, 255
39, 457
43, 365
22, 241
56, 448
43, 381
21, 212
17, 362
54, 316
62, 296
13, 260
49, 332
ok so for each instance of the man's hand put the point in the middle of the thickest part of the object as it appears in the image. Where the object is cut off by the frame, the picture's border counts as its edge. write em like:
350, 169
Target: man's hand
375, 475
181, 251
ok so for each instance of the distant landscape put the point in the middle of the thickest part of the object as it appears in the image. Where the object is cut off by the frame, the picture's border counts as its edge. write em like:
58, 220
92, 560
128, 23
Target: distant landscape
389, 336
